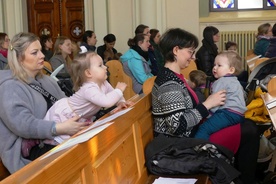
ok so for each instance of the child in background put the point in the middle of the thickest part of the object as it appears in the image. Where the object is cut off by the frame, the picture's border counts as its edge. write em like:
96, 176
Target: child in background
198, 83
231, 46
243, 76
227, 65
92, 93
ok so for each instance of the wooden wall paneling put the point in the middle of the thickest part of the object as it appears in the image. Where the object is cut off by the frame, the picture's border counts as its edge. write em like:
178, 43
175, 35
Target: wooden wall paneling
72, 19
56, 17
43, 17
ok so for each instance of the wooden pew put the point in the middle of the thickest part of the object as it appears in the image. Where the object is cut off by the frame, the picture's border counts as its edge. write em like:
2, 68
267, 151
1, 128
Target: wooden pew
47, 68
148, 84
117, 74
115, 155
186, 71
250, 60
3, 171
259, 61
250, 52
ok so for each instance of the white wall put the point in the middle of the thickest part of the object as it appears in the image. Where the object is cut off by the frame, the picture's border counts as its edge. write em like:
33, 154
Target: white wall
13, 16
122, 16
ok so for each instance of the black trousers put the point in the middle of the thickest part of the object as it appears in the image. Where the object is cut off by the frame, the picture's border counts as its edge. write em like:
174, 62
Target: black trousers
247, 155
37, 151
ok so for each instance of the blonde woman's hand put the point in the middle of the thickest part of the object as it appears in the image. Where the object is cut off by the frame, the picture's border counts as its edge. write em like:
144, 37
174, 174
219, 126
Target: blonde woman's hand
216, 99
71, 126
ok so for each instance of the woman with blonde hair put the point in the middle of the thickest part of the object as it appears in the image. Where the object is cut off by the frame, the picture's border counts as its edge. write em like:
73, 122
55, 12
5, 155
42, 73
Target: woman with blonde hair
62, 51
263, 38
26, 95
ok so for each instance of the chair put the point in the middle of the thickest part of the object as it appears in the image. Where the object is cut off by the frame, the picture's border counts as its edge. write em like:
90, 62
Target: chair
186, 71
271, 87
250, 52
259, 61
148, 84
47, 68
251, 59
117, 74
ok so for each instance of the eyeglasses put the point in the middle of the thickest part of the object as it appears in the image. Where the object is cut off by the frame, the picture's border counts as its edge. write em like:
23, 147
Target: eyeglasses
191, 52
7, 40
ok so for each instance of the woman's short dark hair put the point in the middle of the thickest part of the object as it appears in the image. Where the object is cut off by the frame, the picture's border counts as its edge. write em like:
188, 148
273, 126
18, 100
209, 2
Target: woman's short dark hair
87, 34
109, 38
176, 37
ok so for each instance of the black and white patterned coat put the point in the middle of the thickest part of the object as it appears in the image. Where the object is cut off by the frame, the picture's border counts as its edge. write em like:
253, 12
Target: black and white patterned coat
174, 110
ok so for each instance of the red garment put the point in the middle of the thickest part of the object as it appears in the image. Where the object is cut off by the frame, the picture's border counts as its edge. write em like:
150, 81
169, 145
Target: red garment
4, 53
188, 87
229, 137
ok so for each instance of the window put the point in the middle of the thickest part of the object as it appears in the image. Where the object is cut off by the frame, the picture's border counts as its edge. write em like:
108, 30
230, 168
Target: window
235, 5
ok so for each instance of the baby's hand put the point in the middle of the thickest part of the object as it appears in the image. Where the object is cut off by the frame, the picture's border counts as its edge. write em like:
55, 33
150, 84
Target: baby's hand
121, 86
121, 105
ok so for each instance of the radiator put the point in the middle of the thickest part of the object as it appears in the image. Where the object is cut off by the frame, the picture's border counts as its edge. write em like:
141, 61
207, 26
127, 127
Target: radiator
245, 40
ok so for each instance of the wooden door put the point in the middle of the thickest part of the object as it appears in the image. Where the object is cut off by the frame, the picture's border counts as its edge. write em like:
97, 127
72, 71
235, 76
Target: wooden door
56, 17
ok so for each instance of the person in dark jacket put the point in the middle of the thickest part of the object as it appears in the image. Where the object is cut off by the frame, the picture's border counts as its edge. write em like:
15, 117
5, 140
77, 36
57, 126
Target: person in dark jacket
107, 51
154, 41
206, 54
46, 45
271, 50
89, 40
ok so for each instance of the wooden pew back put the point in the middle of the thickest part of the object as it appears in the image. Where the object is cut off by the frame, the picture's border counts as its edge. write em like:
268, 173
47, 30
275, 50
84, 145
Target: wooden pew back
115, 155
186, 71
117, 74
3, 171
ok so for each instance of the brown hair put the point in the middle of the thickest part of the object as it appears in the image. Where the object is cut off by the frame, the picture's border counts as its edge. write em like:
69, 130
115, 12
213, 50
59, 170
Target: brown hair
198, 77
57, 51
263, 29
140, 29
230, 44
234, 60
80, 63
137, 38
2, 39
153, 33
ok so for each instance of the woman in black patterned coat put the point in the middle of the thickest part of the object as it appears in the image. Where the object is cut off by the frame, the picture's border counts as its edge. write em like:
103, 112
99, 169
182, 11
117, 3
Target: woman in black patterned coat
175, 105
177, 111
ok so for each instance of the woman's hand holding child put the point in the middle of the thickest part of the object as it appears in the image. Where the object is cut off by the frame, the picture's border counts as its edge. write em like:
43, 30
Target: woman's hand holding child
215, 99
71, 126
